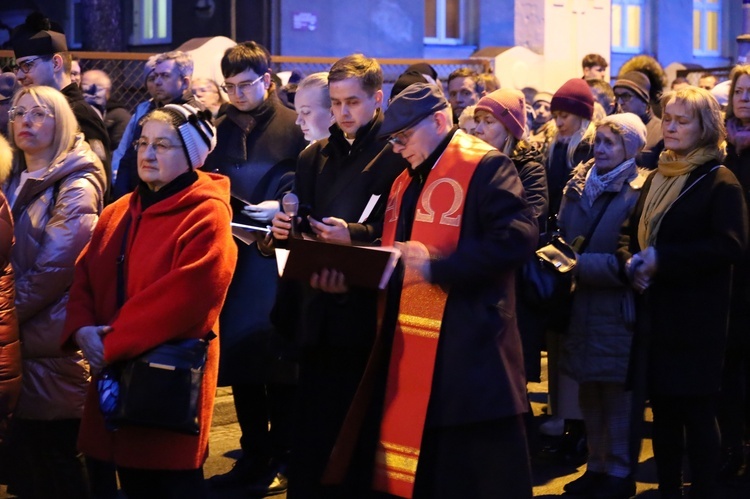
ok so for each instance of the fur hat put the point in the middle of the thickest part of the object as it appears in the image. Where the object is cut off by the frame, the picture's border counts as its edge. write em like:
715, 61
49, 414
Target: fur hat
574, 97
196, 132
632, 128
636, 82
507, 106
38, 36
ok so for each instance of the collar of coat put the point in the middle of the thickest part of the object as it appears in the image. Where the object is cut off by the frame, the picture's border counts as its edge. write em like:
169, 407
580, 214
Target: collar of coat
248, 120
338, 145
574, 188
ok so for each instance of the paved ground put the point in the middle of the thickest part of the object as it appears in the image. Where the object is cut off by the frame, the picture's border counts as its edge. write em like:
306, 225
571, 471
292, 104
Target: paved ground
548, 478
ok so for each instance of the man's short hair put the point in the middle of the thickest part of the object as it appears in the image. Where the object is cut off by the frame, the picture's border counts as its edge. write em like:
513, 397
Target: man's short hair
679, 80
468, 73
366, 69
601, 87
182, 61
245, 56
591, 60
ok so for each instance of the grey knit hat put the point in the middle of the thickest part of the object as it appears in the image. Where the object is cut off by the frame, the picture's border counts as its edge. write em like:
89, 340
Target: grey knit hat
630, 127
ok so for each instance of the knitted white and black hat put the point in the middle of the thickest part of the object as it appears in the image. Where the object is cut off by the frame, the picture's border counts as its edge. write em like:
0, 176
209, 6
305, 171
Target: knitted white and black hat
196, 132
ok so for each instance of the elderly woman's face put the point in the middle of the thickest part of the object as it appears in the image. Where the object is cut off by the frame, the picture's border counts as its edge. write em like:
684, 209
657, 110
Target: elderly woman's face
681, 129
33, 126
161, 157
489, 129
609, 149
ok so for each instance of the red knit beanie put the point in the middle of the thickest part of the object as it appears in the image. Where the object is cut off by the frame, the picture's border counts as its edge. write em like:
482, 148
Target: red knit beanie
508, 107
574, 97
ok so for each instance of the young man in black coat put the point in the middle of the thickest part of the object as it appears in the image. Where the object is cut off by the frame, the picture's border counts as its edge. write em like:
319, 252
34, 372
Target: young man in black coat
342, 183
257, 146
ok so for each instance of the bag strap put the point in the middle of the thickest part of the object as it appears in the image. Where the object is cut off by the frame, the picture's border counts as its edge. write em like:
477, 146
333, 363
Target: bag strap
610, 197
121, 264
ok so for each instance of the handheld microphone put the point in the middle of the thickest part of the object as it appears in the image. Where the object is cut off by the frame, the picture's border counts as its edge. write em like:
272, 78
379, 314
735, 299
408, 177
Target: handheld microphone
290, 205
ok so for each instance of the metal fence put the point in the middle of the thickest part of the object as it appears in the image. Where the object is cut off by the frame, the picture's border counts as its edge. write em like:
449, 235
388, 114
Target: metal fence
126, 69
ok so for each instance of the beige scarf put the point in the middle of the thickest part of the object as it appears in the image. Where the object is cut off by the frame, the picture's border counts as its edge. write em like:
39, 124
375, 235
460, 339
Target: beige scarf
668, 182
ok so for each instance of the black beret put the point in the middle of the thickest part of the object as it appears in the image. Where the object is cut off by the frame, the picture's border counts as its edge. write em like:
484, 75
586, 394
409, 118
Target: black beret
411, 106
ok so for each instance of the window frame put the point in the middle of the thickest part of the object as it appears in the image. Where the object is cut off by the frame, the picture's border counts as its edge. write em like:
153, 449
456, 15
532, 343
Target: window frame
441, 24
624, 49
704, 7
140, 21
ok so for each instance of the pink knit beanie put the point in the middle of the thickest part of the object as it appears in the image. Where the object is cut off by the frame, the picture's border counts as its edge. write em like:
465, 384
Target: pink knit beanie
574, 97
507, 106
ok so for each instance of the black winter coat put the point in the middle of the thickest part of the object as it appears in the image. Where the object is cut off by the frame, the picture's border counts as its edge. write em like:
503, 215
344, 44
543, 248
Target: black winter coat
682, 328
257, 150
334, 179
739, 319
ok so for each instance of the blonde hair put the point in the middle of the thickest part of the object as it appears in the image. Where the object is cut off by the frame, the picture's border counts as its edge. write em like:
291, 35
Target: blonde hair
66, 125
318, 81
584, 134
703, 106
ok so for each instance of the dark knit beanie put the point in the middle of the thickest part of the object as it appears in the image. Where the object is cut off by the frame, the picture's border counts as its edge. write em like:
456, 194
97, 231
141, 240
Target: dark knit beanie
508, 107
38, 36
574, 97
636, 82
406, 79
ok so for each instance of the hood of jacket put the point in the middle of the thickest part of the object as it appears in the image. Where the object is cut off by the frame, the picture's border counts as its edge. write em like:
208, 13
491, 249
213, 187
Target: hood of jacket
209, 186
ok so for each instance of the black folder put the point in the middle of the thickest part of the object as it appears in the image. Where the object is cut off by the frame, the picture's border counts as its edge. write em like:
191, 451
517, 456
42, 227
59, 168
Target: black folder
362, 266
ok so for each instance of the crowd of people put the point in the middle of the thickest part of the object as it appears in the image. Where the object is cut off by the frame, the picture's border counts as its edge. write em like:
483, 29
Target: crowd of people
116, 236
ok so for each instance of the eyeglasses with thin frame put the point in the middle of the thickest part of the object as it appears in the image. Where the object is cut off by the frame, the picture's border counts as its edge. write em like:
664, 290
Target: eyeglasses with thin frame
161, 146
26, 65
623, 97
231, 88
35, 115
401, 138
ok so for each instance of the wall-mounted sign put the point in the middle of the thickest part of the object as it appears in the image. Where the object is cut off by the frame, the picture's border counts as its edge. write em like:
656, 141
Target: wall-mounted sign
304, 21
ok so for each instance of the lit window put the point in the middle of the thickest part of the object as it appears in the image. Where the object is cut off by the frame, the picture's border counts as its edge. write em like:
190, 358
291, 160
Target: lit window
443, 22
627, 26
152, 22
706, 27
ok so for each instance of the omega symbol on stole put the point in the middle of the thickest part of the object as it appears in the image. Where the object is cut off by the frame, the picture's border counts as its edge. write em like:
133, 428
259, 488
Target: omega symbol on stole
391, 208
441, 203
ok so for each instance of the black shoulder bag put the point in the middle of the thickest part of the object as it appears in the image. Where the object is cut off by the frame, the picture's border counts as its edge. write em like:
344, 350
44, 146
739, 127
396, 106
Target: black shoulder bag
158, 389
547, 282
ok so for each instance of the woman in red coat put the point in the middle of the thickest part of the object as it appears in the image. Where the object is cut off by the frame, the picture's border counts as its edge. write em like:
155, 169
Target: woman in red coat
179, 258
